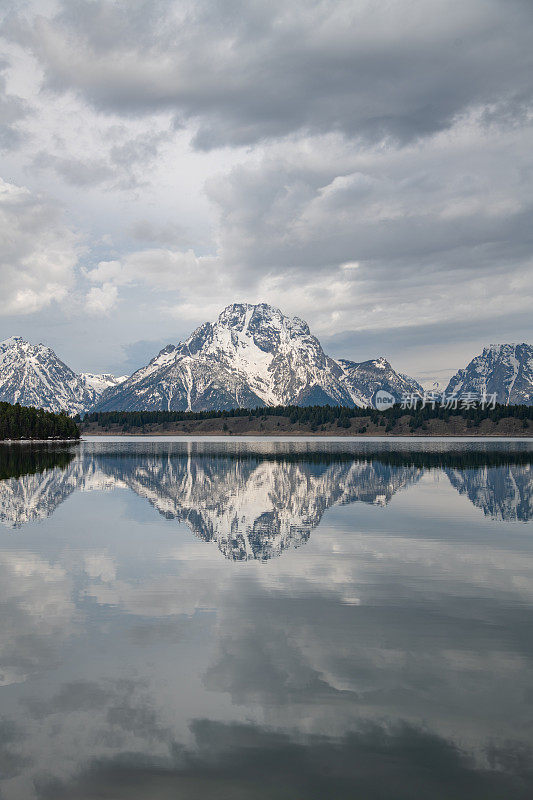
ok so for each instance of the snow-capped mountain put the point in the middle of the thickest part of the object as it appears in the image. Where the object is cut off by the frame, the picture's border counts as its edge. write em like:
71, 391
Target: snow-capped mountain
99, 383
363, 380
33, 375
251, 356
506, 369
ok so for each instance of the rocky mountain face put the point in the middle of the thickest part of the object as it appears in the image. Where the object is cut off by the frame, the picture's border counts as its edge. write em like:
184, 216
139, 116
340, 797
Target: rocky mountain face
504, 369
33, 375
363, 380
251, 356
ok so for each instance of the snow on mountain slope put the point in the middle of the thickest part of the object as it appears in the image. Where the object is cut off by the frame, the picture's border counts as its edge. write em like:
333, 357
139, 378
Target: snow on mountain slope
504, 369
252, 355
33, 375
99, 383
364, 379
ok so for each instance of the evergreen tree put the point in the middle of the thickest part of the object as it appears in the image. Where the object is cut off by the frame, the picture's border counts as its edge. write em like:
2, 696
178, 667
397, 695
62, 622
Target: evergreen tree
26, 422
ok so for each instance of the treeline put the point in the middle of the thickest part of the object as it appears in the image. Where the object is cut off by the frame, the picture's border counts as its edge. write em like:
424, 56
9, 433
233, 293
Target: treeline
26, 422
31, 459
315, 416
324, 455
36, 458
474, 416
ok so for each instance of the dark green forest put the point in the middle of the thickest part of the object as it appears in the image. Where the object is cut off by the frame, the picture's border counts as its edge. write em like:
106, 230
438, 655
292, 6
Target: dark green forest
484, 455
314, 416
27, 422
32, 459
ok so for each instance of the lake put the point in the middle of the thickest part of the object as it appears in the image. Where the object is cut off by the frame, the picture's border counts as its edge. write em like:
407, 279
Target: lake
266, 620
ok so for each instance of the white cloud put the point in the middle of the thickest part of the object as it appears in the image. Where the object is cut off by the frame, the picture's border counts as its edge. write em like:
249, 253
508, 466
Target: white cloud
345, 135
251, 71
108, 272
41, 611
358, 239
38, 254
101, 299
159, 269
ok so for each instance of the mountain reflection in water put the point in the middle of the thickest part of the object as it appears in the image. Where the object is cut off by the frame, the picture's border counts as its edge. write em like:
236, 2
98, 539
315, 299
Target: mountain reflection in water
255, 502
389, 658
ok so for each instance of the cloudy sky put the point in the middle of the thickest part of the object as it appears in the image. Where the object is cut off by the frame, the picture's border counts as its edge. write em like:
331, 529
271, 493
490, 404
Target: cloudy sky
365, 165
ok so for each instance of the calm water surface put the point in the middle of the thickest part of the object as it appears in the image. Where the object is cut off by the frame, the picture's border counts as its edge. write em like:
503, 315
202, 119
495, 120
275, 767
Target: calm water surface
266, 620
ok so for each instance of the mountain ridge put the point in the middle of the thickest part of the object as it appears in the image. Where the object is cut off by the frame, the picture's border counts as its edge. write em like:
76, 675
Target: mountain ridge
33, 375
253, 355
502, 369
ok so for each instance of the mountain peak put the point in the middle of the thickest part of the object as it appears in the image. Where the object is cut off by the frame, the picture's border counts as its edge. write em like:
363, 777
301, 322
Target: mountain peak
507, 347
15, 347
365, 378
249, 316
505, 370
13, 341
33, 375
252, 355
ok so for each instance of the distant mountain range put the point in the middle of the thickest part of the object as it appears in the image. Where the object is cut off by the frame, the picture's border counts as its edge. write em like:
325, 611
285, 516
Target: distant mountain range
253, 355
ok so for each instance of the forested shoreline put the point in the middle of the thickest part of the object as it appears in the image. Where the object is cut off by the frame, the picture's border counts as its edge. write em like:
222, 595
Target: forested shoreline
332, 420
27, 422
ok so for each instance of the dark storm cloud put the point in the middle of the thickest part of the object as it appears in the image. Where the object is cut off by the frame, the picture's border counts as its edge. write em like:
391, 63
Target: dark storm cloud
393, 341
395, 217
117, 168
251, 71
11, 762
75, 171
246, 761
